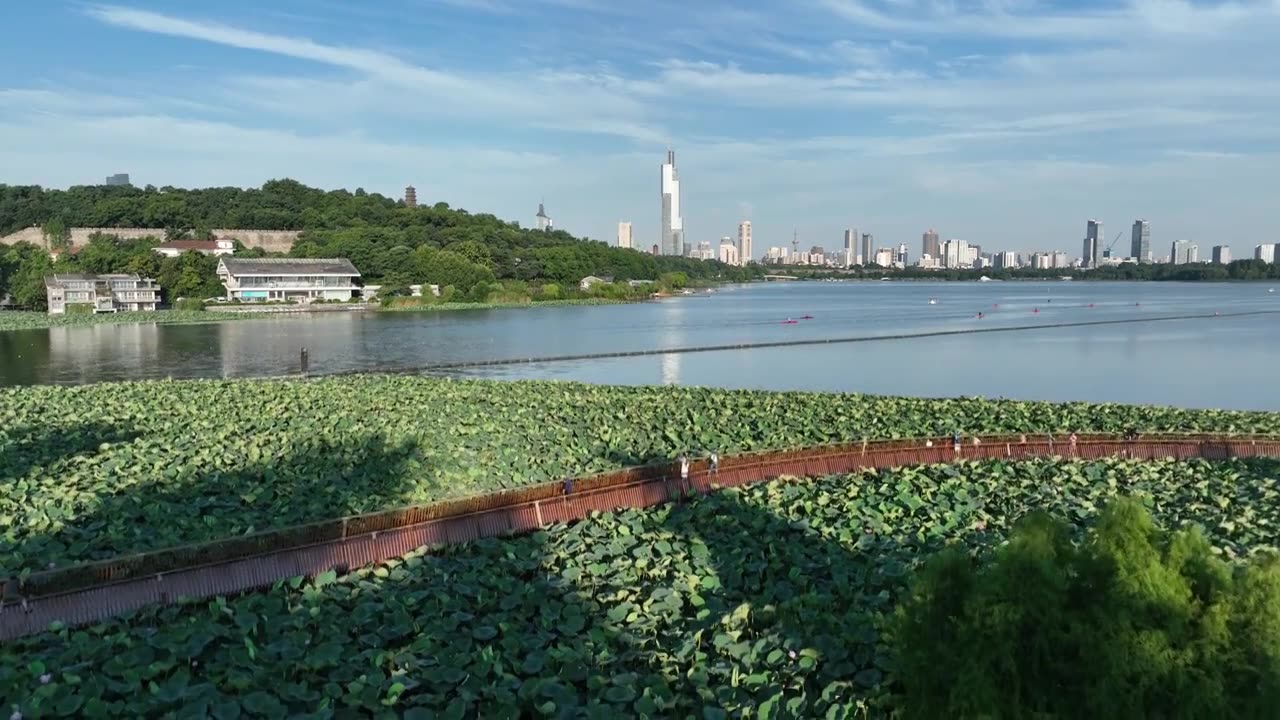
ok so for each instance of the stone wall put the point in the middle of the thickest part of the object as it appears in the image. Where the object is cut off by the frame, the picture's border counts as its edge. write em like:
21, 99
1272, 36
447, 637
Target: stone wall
269, 240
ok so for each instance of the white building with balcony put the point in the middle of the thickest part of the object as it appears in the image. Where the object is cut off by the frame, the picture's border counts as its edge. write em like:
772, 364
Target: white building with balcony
100, 293
288, 279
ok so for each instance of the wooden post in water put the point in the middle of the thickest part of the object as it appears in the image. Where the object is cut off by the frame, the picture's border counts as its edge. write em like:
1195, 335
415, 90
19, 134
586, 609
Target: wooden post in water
304, 361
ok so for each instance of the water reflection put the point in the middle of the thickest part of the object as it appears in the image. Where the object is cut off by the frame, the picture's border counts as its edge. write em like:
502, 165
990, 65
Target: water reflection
1212, 361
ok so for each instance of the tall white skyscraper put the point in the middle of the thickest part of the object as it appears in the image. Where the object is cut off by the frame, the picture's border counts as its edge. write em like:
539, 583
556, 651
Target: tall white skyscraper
1221, 255
1265, 253
624, 234
672, 241
744, 243
851, 247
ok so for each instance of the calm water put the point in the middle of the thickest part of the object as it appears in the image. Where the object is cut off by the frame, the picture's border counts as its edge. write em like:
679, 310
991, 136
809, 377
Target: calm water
1229, 362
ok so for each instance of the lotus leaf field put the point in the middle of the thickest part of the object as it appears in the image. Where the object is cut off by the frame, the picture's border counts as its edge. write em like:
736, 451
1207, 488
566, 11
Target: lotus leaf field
770, 601
97, 471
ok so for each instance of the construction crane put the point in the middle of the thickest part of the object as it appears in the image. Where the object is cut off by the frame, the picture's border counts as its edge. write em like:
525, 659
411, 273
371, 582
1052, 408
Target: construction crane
1107, 253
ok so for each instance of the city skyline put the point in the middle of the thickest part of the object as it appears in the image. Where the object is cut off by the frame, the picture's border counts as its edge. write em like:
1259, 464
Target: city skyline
881, 114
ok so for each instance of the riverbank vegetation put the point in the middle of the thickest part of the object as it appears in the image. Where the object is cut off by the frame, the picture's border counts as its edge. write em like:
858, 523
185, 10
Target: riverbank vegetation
20, 320
101, 470
389, 243
778, 600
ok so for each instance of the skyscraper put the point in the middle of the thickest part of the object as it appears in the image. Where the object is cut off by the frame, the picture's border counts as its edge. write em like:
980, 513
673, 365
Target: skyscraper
1265, 253
1221, 255
624, 234
1184, 252
118, 179
868, 254
672, 240
900, 257
955, 253
850, 247
542, 220
410, 197
744, 242
929, 244
1092, 244
1140, 245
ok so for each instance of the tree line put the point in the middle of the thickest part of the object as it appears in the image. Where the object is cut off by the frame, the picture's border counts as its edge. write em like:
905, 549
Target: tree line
391, 244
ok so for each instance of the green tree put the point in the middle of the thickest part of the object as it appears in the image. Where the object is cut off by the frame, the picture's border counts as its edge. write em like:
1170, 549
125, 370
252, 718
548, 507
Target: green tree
57, 236
1131, 622
26, 285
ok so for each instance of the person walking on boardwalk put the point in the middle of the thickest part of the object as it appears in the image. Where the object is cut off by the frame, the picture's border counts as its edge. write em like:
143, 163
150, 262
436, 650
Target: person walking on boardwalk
684, 474
715, 463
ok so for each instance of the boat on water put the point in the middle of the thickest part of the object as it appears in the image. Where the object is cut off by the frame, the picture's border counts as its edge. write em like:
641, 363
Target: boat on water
806, 317
1271, 290
933, 301
789, 321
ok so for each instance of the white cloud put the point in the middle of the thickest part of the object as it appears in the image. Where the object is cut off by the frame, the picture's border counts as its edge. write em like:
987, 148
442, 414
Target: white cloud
898, 114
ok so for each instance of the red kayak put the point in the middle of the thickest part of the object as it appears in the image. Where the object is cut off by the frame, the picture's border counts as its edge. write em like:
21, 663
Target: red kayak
790, 322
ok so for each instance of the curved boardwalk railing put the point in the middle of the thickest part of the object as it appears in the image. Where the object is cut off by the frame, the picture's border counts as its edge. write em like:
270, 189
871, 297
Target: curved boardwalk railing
91, 592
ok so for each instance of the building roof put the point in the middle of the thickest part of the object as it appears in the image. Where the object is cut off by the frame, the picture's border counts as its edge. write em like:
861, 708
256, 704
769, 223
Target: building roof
289, 266
541, 212
59, 278
190, 245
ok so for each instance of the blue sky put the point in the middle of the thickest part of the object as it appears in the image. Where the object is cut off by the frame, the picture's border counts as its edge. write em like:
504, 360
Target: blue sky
1007, 123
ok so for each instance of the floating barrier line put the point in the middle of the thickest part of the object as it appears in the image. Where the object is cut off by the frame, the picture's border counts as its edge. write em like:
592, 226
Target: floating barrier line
464, 364
95, 591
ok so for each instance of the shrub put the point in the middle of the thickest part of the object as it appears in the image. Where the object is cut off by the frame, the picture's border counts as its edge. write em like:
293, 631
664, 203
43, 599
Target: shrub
79, 308
1130, 623
188, 304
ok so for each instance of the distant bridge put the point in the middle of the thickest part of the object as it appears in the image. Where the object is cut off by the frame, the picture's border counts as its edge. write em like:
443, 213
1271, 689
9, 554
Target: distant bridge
772, 278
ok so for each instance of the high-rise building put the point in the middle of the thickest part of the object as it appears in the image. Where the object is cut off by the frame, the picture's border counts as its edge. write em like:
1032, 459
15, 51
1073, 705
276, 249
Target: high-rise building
744, 242
1265, 253
410, 197
705, 251
1060, 259
929, 244
900, 257
1221, 255
867, 251
728, 251
1041, 261
1007, 260
884, 257
624, 234
1184, 252
1140, 243
672, 240
1092, 253
655, 250
955, 254
542, 221
118, 179
776, 255
850, 247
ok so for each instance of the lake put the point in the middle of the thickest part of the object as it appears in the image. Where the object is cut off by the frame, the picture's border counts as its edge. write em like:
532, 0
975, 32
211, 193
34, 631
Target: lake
1229, 362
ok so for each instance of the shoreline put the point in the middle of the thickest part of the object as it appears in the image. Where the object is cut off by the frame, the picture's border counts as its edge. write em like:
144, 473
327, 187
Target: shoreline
19, 320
